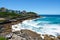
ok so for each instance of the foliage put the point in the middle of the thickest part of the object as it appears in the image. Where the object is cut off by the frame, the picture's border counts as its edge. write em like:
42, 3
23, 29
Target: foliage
2, 38
8, 15
15, 14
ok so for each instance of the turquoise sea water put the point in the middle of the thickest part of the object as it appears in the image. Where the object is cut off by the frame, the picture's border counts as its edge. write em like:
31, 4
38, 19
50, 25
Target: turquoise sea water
45, 25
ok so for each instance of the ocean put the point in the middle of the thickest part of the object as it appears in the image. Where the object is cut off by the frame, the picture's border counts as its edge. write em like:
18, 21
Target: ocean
47, 24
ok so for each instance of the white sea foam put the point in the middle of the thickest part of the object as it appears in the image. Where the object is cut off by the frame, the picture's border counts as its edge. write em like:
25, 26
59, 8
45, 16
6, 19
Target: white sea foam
41, 27
51, 29
16, 27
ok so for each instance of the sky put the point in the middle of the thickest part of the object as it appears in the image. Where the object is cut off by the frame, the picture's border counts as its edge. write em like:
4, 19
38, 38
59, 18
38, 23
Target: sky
49, 7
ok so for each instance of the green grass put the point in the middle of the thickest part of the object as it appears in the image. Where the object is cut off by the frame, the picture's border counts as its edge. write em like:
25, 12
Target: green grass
2, 38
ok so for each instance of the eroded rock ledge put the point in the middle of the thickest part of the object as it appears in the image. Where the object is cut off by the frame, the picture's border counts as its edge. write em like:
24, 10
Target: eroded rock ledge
30, 35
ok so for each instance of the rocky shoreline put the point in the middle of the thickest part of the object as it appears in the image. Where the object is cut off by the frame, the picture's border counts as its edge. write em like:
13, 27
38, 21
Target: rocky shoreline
30, 35
27, 35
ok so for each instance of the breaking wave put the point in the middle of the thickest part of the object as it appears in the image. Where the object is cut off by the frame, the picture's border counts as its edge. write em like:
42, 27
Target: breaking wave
44, 25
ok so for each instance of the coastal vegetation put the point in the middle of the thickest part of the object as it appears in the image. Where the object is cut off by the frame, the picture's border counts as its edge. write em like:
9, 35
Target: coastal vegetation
8, 17
5, 26
2, 38
10, 14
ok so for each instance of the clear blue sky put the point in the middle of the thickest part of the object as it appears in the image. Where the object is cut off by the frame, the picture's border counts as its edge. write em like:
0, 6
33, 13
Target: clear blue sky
38, 6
